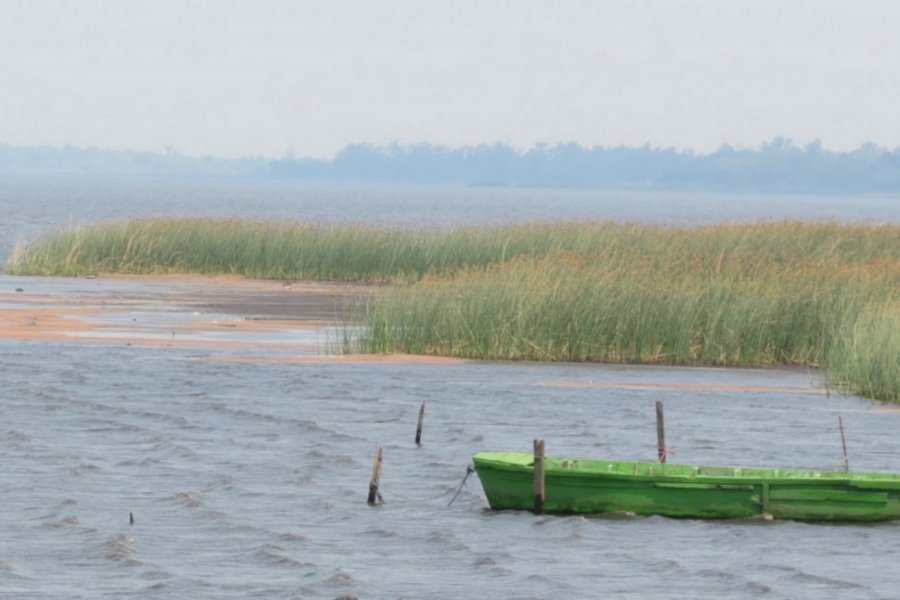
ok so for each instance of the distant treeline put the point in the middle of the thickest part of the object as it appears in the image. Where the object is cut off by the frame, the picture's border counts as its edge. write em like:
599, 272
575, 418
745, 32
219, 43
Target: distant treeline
69, 160
776, 166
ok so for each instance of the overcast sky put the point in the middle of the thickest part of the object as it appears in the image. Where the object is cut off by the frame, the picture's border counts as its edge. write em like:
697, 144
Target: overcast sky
233, 78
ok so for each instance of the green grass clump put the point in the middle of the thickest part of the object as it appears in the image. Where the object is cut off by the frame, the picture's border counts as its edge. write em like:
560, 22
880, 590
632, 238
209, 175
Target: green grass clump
762, 294
732, 295
284, 250
866, 359
548, 310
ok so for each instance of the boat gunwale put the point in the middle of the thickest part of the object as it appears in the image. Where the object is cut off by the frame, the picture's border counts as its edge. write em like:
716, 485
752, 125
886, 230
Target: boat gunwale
685, 472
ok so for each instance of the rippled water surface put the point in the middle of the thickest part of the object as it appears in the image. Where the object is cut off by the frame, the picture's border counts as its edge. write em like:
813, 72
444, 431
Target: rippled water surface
249, 479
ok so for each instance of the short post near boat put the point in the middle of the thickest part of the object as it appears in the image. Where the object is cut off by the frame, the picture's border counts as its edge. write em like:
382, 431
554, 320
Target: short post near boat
661, 450
537, 467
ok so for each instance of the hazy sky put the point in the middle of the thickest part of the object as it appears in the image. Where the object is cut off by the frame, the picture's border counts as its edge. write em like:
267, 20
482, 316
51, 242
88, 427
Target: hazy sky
234, 77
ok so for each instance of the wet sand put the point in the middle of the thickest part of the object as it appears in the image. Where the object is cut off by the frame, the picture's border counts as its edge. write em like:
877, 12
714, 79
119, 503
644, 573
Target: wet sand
174, 310
41, 323
276, 321
356, 359
688, 387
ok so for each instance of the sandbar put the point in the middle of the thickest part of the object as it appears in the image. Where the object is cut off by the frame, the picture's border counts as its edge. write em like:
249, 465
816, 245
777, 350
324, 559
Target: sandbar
176, 310
687, 387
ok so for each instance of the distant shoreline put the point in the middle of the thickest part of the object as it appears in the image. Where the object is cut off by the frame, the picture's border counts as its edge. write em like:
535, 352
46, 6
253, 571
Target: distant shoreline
777, 166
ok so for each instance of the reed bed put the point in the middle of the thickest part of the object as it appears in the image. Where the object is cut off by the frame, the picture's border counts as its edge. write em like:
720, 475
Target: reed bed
548, 310
762, 294
286, 250
865, 359
732, 295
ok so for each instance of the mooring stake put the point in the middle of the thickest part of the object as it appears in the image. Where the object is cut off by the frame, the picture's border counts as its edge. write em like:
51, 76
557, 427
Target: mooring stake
661, 449
844, 444
376, 475
131, 518
419, 425
539, 477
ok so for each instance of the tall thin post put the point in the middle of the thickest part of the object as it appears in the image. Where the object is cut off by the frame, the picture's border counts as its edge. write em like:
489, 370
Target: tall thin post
539, 477
661, 450
376, 476
844, 444
419, 425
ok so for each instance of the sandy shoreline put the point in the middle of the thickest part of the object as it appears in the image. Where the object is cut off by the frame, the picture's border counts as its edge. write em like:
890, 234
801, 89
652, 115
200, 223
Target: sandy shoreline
686, 387
170, 309
279, 321
349, 359
41, 323
273, 321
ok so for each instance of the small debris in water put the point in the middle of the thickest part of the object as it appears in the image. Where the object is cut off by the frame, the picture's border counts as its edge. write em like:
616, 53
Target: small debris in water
19, 290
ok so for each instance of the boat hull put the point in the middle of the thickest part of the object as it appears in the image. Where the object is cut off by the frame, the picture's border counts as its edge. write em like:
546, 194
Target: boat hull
578, 486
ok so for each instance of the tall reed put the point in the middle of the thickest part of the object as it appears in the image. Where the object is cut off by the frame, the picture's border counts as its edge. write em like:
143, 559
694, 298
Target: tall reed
360, 252
749, 295
866, 358
736, 294
287, 250
547, 309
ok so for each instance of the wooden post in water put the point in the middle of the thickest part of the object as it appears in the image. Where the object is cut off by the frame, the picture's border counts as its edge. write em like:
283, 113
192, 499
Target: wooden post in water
376, 475
539, 477
660, 433
419, 425
844, 444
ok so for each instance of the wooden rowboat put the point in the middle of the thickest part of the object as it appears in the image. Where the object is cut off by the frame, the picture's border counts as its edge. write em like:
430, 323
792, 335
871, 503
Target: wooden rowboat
580, 486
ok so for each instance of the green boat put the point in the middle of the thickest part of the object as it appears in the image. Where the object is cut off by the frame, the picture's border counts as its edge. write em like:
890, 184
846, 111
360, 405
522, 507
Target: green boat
578, 486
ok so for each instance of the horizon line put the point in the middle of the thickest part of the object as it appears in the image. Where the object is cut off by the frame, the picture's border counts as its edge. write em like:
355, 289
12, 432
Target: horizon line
777, 141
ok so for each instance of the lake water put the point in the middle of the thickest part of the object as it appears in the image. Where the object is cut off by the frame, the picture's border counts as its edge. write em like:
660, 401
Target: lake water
31, 206
249, 479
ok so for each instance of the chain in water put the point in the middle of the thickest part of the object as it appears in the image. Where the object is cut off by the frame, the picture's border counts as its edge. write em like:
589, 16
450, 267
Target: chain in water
469, 470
